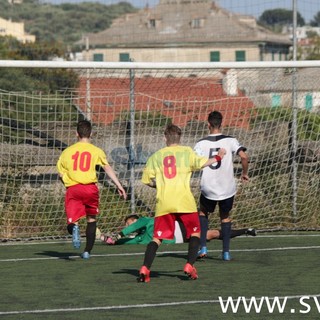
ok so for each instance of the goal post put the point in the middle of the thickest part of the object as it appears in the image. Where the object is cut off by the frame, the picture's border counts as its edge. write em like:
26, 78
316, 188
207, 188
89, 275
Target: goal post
273, 108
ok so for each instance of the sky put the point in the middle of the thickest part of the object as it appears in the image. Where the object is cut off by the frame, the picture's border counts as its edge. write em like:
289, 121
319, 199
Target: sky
307, 8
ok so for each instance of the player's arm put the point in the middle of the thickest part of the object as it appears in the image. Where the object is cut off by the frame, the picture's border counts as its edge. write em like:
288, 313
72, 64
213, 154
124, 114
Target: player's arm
60, 169
148, 175
134, 227
216, 158
152, 183
245, 165
109, 171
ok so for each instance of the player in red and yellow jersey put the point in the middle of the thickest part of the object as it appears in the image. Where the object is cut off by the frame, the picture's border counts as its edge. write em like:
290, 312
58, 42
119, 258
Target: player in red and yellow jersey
77, 169
169, 171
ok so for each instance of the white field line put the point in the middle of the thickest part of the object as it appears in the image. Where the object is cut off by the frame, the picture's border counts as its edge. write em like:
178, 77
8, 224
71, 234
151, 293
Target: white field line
45, 242
146, 305
166, 304
158, 253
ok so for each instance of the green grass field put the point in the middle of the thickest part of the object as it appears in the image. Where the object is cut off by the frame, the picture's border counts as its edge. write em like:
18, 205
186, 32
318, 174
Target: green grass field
48, 280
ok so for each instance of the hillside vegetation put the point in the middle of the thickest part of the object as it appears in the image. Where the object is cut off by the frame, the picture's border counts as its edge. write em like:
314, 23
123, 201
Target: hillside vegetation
64, 23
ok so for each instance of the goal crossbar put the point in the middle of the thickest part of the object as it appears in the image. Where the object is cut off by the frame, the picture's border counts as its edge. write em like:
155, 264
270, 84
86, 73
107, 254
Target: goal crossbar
158, 65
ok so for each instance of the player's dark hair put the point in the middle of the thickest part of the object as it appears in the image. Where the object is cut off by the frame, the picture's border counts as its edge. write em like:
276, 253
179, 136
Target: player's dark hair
173, 134
215, 119
131, 216
84, 129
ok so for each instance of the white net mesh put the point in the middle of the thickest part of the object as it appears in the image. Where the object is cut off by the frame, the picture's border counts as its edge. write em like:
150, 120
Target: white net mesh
274, 112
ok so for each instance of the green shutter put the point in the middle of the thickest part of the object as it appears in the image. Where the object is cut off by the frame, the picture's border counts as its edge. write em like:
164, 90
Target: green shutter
240, 55
124, 57
98, 57
308, 101
215, 56
276, 101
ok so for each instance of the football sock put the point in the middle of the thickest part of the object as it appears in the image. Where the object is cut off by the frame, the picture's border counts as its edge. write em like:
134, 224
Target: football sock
234, 233
193, 249
237, 233
204, 229
226, 233
90, 235
70, 227
150, 254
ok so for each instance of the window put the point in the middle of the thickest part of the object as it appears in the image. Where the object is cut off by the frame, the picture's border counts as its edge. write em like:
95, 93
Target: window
197, 23
215, 56
98, 57
240, 55
152, 23
124, 57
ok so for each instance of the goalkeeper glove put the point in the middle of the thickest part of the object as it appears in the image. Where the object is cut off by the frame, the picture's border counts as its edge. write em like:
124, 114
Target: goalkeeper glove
112, 239
117, 236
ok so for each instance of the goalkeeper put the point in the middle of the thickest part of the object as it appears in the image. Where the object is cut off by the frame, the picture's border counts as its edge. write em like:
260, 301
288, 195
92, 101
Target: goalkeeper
142, 230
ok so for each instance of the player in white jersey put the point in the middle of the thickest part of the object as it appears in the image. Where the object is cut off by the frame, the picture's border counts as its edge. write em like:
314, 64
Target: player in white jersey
218, 184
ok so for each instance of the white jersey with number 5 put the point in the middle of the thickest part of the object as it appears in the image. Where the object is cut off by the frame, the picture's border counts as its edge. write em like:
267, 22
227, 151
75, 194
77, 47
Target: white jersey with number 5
217, 180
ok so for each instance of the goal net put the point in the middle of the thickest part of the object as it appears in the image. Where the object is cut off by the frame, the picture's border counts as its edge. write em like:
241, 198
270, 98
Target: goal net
273, 109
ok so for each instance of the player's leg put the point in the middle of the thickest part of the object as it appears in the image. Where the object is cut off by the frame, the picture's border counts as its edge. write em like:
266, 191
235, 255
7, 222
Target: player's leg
225, 207
204, 224
74, 211
90, 236
149, 255
206, 206
240, 232
91, 201
164, 226
213, 234
192, 227
216, 234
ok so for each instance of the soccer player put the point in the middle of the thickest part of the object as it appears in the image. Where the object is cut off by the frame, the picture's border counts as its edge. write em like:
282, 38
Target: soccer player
142, 228
169, 171
218, 184
77, 169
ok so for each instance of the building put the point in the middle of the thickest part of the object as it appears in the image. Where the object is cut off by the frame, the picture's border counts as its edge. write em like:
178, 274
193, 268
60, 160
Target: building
16, 30
274, 88
185, 31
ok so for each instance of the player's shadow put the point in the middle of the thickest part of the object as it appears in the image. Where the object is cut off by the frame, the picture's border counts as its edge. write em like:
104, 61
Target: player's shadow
185, 256
59, 255
154, 274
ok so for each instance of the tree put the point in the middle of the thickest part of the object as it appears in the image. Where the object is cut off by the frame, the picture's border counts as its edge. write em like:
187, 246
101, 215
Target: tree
316, 20
66, 22
276, 18
47, 80
313, 51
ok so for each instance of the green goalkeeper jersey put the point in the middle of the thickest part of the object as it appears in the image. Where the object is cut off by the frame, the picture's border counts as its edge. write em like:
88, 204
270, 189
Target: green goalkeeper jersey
143, 228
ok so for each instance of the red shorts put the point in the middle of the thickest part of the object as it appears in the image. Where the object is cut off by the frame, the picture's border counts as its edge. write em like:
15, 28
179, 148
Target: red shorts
81, 200
164, 226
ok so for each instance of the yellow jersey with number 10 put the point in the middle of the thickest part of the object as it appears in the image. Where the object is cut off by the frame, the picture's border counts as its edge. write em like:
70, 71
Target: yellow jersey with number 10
171, 168
78, 163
